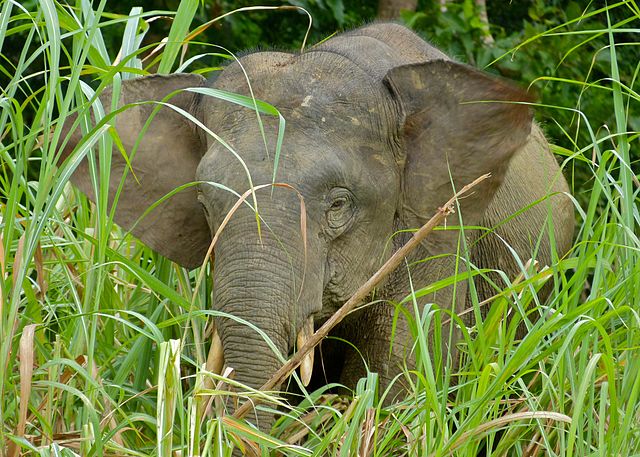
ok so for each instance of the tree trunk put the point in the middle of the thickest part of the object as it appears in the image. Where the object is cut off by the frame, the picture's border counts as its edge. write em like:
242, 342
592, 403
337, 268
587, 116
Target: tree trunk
390, 9
481, 6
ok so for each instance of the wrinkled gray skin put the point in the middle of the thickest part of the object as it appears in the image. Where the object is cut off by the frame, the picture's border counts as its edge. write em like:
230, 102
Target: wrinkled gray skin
376, 121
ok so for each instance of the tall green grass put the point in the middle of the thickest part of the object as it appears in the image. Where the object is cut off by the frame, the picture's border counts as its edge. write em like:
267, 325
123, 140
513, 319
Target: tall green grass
102, 342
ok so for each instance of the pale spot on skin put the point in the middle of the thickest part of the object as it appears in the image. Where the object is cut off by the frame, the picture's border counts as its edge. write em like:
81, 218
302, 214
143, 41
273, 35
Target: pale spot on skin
323, 119
355, 121
417, 81
306, 101
378, 158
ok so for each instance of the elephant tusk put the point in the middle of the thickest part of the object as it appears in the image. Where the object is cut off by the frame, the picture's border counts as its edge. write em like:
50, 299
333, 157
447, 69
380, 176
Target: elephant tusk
214, 364
215, 360
306, 366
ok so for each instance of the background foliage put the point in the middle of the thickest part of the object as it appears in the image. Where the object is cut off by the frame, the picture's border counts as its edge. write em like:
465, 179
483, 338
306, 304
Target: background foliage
556, 47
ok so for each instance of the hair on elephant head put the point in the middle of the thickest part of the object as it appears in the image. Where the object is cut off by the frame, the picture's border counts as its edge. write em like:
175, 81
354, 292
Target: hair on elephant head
381, 127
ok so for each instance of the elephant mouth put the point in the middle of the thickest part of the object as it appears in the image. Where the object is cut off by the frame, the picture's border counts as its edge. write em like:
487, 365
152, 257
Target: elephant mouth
215, 361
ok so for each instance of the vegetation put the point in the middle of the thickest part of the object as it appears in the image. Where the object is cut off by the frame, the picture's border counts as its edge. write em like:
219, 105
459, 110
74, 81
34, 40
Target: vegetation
102, 342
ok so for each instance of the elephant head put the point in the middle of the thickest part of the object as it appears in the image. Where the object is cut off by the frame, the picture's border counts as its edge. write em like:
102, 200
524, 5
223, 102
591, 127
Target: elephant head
380, 128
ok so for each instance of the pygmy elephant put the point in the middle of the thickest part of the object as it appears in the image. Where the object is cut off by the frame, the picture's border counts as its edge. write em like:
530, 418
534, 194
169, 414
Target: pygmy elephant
381, 128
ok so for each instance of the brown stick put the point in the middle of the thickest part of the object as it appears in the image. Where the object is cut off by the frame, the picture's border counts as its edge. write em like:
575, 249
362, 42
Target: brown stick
358, 297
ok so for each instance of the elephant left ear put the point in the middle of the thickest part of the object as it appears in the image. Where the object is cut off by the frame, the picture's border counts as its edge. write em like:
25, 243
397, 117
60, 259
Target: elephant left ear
168, 149
458, 124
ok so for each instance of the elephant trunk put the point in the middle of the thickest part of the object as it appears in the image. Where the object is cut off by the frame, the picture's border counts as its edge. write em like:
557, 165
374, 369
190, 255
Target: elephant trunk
263, 279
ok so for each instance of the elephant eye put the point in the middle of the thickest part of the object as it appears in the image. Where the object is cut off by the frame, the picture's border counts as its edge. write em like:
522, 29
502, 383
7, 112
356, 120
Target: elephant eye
341, 209
338, 203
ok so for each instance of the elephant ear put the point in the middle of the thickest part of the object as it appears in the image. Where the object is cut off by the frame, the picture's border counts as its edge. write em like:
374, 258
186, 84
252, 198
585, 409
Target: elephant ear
458, 124
167, 154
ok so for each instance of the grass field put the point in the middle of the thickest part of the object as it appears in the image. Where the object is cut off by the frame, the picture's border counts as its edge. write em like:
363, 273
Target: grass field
102, 342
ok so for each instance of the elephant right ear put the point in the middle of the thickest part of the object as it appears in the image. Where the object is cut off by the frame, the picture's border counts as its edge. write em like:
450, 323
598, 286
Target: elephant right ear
458, 125
166, 157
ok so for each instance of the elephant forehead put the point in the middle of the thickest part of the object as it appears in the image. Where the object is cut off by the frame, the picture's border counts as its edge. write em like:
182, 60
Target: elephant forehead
322, 88
306, 150
287, 76
311, 166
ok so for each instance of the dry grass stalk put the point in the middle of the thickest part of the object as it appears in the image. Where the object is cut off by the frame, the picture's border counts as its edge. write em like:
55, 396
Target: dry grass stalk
26, 378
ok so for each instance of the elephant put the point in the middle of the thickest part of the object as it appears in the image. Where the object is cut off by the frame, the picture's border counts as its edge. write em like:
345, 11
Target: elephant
381, 128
